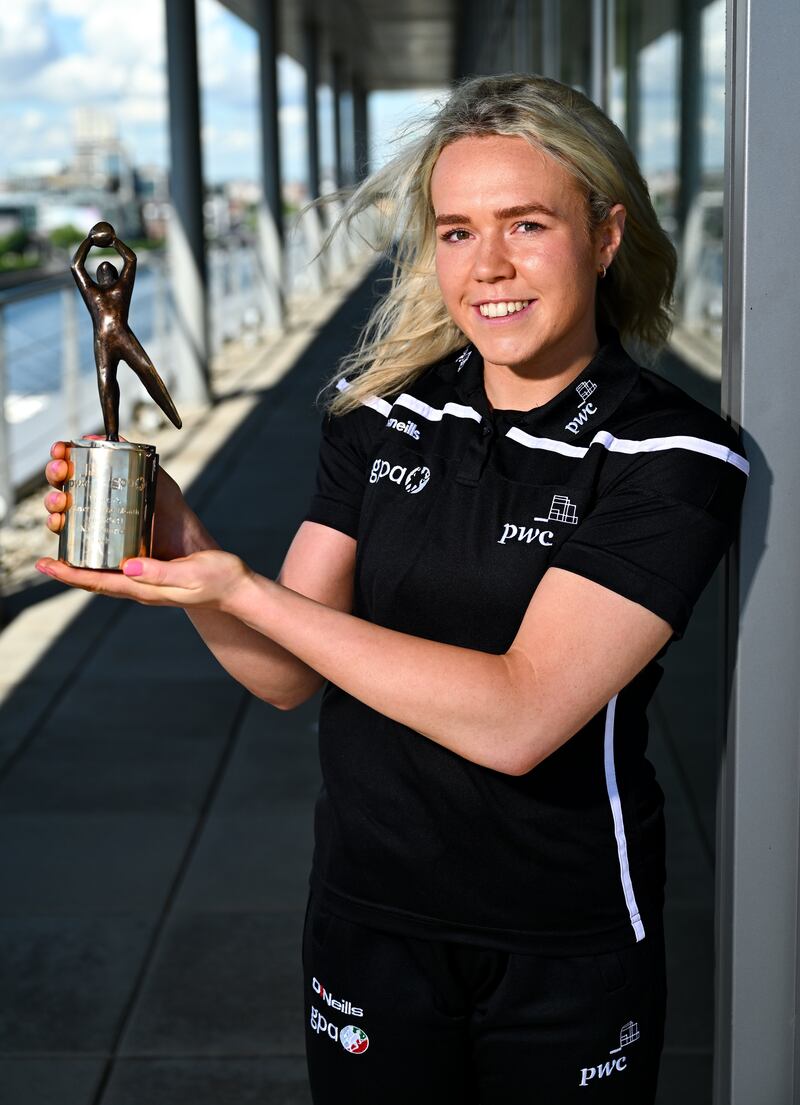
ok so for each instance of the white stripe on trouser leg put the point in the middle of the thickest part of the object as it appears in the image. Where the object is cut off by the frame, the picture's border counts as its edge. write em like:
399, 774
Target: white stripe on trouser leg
619, 825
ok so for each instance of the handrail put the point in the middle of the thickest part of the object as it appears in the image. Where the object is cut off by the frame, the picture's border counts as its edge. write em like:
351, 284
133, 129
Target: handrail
55, 281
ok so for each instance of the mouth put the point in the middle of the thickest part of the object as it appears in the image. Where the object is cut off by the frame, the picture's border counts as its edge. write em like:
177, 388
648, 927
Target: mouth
502, 312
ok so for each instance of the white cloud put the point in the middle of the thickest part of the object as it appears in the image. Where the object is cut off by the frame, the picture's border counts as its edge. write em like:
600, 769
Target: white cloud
228, 67
32, 119
77, 79
75, 9
131, 34
115, 59
26, 39
36, 139
291, 80
142, 110
658, 65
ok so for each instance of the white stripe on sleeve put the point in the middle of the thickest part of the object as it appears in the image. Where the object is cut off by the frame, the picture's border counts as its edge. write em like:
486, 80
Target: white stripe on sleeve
373, 401
678, 441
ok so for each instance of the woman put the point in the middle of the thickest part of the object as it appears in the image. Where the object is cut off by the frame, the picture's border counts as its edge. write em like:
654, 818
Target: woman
512, 521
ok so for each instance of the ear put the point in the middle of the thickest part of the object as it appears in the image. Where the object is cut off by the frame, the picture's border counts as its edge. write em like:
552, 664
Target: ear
609, 235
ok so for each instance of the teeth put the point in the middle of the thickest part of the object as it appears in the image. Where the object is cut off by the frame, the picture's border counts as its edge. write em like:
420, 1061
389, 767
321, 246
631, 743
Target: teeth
499, 310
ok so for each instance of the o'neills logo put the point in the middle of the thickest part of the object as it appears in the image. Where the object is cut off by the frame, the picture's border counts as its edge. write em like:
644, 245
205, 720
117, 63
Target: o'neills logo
412, 481
335, 1003
410, 428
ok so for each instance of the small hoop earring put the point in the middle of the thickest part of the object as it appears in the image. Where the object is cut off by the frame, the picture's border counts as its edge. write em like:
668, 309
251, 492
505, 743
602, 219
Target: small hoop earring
603, 273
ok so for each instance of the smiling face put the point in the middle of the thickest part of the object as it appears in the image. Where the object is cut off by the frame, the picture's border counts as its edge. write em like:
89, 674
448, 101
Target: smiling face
515, 263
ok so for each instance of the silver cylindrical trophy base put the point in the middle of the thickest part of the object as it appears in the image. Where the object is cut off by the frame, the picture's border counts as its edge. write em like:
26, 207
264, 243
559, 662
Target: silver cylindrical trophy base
111, 490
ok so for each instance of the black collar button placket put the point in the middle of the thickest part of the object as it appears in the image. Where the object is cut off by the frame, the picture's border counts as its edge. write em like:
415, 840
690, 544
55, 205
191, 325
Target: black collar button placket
474, 458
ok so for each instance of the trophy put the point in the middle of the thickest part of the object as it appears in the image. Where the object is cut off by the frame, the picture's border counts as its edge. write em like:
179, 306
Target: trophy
111, 484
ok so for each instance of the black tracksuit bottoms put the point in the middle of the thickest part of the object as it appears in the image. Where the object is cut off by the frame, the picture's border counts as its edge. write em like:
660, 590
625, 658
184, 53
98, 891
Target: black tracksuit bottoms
395, 1020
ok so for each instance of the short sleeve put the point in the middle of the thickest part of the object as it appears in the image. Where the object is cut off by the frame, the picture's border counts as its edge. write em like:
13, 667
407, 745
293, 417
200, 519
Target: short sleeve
342, 470
657, 536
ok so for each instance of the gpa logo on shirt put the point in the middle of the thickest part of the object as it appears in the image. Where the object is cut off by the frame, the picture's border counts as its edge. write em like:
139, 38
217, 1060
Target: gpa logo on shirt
412, 481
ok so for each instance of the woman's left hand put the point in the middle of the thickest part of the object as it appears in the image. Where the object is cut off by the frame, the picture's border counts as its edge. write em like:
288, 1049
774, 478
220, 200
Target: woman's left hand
209, 579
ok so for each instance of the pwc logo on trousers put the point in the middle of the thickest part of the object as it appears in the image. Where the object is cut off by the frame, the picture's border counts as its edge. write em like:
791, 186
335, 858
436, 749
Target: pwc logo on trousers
411, 480
628, 1034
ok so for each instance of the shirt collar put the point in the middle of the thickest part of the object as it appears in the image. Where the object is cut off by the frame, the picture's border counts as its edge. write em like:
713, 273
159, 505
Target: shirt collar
576, 411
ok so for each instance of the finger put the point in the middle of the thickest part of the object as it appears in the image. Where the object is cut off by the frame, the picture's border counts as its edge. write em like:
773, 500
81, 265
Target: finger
56, 472
180, 573
55, 502
112, 584
85, 578
56, 522
58, 450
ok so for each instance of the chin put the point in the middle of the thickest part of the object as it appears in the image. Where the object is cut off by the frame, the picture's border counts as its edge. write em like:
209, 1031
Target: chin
509, 352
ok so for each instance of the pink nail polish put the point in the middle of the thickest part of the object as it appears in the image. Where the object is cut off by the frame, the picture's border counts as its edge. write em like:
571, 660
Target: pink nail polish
133, 568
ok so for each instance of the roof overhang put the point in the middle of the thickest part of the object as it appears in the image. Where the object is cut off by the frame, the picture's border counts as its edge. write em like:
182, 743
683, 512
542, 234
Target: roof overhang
402, 44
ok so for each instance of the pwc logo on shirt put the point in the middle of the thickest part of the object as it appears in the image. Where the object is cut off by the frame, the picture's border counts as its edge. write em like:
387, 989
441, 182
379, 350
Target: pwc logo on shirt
413, 480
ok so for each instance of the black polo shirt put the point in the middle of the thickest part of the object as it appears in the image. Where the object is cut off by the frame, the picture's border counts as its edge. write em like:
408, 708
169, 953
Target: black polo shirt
458, 511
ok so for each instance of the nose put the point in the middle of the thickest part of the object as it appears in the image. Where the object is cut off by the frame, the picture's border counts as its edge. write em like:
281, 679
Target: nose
492, 261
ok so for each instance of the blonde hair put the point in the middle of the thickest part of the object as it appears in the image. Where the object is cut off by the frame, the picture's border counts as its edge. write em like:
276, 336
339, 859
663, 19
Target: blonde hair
410, 328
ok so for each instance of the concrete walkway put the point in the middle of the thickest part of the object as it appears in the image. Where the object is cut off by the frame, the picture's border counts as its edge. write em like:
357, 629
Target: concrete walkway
155, 827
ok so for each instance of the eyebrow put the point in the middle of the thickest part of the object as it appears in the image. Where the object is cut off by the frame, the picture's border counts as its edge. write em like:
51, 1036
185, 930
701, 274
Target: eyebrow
503, 213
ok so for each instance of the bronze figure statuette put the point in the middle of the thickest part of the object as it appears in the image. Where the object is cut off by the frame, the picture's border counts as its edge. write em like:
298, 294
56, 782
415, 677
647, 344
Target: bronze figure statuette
111, 486
108, 300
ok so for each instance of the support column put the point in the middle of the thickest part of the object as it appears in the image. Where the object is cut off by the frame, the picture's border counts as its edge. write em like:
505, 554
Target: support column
337, 70
599, 53
551, 38
311, 58
690, 216
523, 37
360, 129
632, 96
270, 211
312, 221
185, 238
757, 1043
6, 485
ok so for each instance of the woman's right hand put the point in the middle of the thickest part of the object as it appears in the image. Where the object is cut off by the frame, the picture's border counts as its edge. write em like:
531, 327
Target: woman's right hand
177, 530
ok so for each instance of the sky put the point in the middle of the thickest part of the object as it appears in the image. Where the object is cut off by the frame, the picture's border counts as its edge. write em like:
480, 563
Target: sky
60, 55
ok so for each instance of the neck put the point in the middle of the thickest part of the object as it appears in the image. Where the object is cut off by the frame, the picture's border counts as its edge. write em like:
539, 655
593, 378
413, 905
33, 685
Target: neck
534, 383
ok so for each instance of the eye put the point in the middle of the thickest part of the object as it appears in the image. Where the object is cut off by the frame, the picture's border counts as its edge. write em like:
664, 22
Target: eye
448, 235
530, 227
